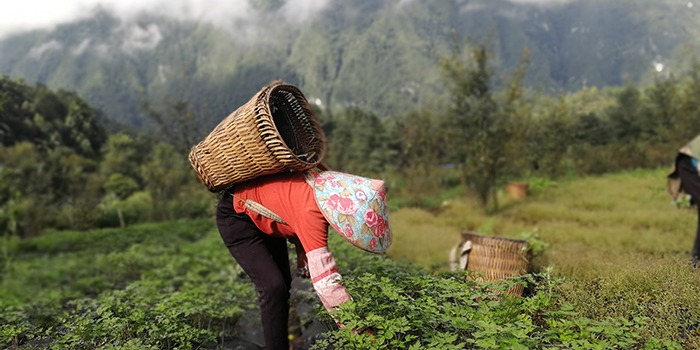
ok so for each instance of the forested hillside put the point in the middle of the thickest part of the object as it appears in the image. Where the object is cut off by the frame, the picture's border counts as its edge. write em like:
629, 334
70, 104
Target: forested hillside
423, 112
107, 239
60, 168
381, 56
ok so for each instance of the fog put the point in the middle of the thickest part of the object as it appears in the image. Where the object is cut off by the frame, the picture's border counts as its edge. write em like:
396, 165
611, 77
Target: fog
24, 15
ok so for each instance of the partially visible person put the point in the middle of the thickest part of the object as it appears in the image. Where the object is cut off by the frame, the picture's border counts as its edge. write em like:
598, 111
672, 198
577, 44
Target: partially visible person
256, 218
684, 180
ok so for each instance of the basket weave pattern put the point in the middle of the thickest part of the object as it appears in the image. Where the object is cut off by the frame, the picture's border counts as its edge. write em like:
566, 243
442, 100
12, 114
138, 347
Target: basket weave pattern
275, 131
497, 258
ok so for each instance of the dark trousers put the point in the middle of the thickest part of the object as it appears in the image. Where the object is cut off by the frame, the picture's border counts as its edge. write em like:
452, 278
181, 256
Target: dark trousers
265, 259
690, 180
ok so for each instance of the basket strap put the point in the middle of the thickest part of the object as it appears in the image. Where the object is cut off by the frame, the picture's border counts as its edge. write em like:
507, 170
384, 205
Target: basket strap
459, 255
262, 210
464, 255
310, 178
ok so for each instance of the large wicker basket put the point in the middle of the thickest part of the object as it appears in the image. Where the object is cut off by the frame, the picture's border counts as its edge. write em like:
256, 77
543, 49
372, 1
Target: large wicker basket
275, 131
497, 258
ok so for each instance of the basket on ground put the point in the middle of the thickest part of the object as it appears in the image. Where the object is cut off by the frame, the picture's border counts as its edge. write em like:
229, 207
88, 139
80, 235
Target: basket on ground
497, 258
517, 190
275, 131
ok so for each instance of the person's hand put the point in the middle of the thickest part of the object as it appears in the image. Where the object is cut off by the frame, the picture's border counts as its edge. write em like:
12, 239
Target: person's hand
366, 331
302, 263
303, 272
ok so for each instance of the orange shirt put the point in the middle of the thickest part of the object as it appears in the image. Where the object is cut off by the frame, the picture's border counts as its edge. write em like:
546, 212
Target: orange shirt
289, 196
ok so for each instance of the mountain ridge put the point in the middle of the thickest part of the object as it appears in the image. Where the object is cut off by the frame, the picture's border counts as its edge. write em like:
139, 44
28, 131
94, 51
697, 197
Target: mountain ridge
377, 55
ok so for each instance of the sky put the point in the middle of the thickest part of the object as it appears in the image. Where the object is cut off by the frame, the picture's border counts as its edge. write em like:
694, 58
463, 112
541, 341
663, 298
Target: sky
21, 15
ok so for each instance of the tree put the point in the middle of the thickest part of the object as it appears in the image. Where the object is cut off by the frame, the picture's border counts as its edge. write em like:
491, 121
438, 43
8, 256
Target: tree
165, 173
14, 117
549, 138
119, 187
51, 142
479, 126
24, 190
623, 116
357, 142
686, 123
659, 109
48, 119
122, 154
419, 146
83, 131
421, 141
179, 124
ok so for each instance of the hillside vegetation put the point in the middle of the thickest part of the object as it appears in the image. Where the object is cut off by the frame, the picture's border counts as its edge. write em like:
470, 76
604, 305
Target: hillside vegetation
107, 236
376, 55
59, 160
618, 278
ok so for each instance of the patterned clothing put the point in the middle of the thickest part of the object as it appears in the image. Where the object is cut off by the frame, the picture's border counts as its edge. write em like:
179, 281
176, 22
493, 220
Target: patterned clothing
289, 196
692, 149
675, 185
690, 178
685, 180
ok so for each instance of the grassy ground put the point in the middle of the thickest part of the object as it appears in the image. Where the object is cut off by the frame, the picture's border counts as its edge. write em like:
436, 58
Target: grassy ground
617, 239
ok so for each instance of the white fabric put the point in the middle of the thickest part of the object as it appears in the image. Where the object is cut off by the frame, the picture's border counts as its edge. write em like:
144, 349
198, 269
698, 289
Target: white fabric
326, 280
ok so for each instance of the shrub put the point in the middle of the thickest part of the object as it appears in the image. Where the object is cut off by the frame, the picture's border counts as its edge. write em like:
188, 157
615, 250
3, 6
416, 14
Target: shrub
397, 305
159, 285
134, 209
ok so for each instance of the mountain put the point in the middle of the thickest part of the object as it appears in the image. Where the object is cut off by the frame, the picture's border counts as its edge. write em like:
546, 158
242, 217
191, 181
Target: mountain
380, 55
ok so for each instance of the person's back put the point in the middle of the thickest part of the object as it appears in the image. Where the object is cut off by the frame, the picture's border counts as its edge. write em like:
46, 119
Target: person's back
289, 196
257, 217
684, 179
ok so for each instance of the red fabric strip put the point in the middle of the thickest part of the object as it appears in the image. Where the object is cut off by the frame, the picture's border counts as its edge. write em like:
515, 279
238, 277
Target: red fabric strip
324, 274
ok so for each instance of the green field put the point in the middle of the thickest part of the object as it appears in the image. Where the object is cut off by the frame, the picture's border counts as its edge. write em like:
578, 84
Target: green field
615, 274
621, 244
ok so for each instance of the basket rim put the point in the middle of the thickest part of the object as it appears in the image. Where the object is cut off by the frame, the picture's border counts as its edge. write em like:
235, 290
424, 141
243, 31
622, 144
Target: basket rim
467, 234
264, 97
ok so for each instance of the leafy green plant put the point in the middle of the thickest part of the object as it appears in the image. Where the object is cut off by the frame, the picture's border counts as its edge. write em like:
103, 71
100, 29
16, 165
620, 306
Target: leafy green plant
623, 249
536, 246
401, 306
147, 286
617, 270
538, 184
683, 201
421, 311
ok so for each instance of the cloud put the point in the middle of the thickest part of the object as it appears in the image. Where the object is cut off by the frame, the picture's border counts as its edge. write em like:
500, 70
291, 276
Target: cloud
23, 15
540, 2
38, 51
138, 38
302, 10
81, 48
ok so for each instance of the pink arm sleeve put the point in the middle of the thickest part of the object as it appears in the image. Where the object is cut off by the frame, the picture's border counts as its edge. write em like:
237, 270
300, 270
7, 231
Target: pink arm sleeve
326, 279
